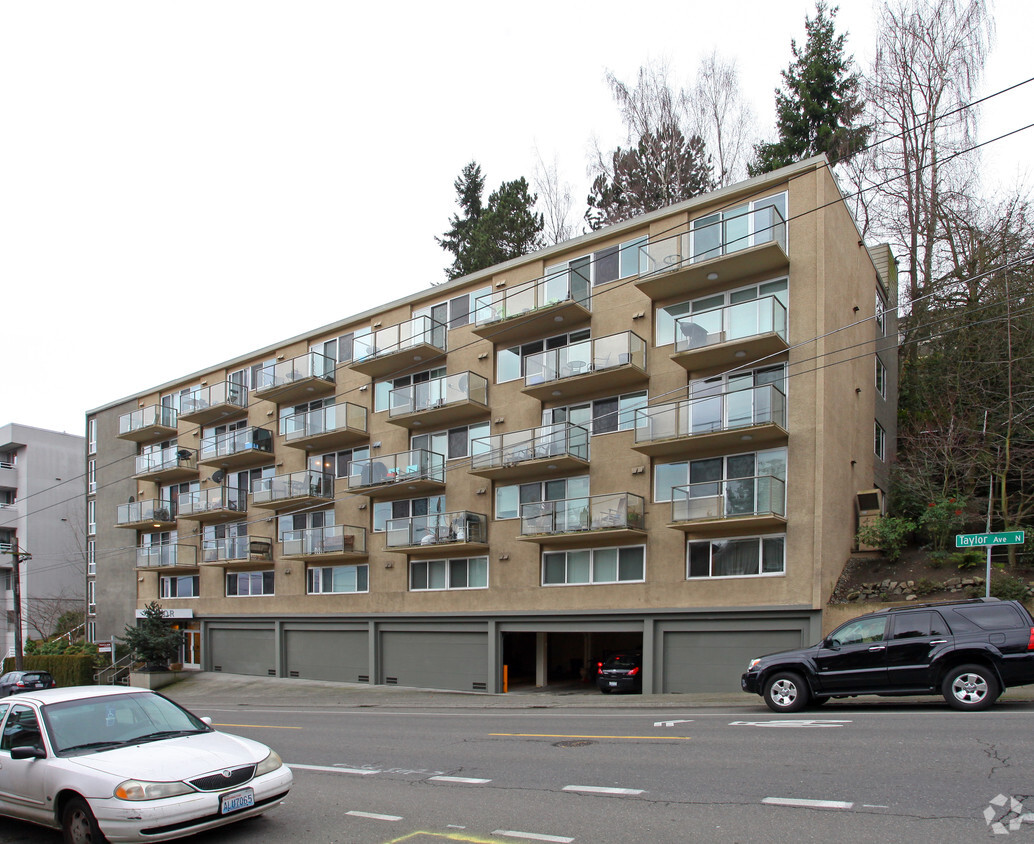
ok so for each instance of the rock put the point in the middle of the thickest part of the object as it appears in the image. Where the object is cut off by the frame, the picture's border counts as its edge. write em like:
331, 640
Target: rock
852, 596
911, 597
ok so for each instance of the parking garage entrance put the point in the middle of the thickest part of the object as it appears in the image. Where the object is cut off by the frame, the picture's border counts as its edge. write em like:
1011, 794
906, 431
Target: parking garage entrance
561, 659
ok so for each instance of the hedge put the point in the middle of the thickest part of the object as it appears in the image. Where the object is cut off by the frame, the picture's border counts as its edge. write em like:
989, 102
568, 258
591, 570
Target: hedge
67, 670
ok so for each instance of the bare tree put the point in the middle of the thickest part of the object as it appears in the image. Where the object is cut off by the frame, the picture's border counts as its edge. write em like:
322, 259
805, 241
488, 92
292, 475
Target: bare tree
555, 200
723, 119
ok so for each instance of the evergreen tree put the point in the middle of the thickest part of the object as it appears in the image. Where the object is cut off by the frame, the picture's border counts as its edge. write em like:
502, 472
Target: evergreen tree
484, 235
818, 105
154, 640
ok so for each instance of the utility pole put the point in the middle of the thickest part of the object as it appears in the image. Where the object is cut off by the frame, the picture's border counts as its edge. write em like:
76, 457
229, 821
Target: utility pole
17, 556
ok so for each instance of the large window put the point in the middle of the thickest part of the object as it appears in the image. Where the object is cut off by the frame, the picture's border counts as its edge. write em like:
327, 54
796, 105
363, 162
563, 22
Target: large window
382, 389
185, 586
604, 265
91, 596
404, 509
463, 573
881, 378
304, 521
707, 475
330, 580
510, 498
601, 416
880, 441
91, 437
340, 349
749, 557
509, 363
665, 317
454, 443
245, 583
91, 517
336, 463
454, 312
597, 565
91, 477
91, 556
739, 228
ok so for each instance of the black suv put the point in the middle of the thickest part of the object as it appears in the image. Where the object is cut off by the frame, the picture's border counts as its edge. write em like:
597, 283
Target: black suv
968, 651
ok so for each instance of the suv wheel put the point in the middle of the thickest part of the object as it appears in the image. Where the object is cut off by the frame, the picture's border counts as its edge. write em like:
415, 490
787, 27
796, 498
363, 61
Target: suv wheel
970, 687
785, 691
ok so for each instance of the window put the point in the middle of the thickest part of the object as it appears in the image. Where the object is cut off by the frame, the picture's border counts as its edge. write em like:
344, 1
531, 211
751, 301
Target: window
664, 318
601, 416
91, 596
750, 557
714, 476
918, 625
382, 389
91, 517
454, 443
739, 228
21, 729
880, 441
509, 363
91, 437
509, 499
179, 587
338, 579
304, 407
881, 309
242, 583
91, 556
174, 400
598, 565
91, 477
91, 631
881, 378
336, 463
454, 312
603, 266
404, 509
304, 521
861, 631
469, 573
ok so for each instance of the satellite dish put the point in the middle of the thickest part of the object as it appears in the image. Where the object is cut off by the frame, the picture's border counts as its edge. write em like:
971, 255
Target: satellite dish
218, 475
132, 499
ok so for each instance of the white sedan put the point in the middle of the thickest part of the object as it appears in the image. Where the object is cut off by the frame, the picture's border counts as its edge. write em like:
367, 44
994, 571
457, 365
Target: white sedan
119, 764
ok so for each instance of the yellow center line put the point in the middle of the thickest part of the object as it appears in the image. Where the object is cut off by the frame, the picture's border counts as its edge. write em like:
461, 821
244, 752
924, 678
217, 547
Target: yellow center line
258, 726
551, 735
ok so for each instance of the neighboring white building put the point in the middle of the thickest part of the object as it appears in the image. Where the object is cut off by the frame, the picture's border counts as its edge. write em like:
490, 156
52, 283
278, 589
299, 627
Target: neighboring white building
41, 492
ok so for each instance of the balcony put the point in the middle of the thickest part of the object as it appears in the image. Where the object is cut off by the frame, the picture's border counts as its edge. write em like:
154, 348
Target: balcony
237, 550
210, 404
399, 347
440, 401
333, 427
575, 371
296, 488
217, 504
733, 336
730, 507
160, 515
243, 447
333, 542
439, 534
172, 557
710, 425
594, 519
532, 453
304, 377
532, 310
156, 422
168, 464
398, 475
716, 254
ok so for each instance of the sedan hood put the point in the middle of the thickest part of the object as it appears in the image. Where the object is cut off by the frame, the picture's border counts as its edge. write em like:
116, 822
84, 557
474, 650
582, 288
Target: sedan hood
172, 759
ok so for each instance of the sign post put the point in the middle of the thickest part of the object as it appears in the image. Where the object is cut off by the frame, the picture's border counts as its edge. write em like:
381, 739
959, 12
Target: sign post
988, 540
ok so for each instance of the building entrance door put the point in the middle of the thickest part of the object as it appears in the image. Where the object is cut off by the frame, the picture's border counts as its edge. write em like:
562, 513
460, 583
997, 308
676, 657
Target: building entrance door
192, 648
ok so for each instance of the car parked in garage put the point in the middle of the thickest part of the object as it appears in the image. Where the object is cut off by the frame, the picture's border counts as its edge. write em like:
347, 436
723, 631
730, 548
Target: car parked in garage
124, 764
620, 672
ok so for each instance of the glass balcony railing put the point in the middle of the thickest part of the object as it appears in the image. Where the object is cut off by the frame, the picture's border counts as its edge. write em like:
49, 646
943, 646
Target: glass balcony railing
157, 416
437, 529
548, 441
585, 357
226, 395
170, 459
329, 540
763, 495
713, 236
241, 441
325, 420
759, 405
237, 549
218, 499
741, 321
438, 392
565, 286
166, 556
418, 464
304, 484
307, 367
142, 512
420, 331
620, 510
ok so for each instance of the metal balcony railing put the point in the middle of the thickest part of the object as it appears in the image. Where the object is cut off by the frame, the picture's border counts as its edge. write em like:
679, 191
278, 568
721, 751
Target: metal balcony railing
419, 331
585, 357
304, 484
759, 405
547, 441
761, 495
213, 500
154, 416
140, 512
418, 464
565, 285
328, 540
235, 549
286, 372
437, 529
438, 392
236, 442
223, 394
166, 459
324, 420
621, 510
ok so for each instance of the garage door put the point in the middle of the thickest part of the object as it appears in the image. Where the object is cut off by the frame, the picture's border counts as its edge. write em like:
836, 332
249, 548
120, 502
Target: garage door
243, 651
435, 660
712, 661
327, 655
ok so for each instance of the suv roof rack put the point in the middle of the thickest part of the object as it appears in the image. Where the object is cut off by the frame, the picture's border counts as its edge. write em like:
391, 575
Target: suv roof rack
944, 604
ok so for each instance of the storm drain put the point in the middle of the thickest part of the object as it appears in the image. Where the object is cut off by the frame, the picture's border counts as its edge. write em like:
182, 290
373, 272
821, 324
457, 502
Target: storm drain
574, 743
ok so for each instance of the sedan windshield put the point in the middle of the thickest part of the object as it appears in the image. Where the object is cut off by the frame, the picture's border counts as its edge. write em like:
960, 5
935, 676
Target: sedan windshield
100, 723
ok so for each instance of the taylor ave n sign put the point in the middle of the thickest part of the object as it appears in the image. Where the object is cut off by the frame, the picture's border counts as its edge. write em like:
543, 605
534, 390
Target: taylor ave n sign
978, 540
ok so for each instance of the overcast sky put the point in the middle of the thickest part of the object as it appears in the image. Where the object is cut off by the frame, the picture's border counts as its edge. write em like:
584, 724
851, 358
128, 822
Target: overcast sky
181, 183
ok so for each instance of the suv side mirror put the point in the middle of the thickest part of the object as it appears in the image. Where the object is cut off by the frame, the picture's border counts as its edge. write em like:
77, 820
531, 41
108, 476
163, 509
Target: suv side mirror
831, 643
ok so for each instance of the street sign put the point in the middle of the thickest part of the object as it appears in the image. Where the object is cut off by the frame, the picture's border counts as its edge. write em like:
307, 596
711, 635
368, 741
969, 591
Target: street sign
979, 540
104, 647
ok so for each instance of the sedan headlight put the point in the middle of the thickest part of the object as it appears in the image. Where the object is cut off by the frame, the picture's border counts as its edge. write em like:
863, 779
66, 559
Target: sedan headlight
140, 790
753, 664
269, 764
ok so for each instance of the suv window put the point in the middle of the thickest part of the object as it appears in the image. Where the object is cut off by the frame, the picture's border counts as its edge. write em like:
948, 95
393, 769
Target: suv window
861, 630
916, 625
987, 617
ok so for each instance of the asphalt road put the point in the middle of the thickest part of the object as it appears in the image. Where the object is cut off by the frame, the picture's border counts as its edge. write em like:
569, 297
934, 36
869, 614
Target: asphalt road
627, 770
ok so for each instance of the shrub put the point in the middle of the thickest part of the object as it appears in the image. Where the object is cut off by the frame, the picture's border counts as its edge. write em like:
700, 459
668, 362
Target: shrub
942, 519
888, 533
924, 586
67, 670
968, 559
154, 641
1008, 588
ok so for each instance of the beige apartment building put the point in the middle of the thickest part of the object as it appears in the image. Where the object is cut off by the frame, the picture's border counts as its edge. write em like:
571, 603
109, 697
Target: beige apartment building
656, 436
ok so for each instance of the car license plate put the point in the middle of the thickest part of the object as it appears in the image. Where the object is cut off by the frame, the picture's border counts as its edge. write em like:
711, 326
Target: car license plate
234, 801
613, 682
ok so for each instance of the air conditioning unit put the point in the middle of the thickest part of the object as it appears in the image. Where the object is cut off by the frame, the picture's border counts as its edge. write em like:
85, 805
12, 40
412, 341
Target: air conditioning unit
868, 507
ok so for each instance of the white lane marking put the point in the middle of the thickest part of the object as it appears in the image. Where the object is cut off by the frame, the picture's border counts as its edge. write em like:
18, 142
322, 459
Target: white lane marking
532, 836
332, 770
874, 806
671, 723
470, 780
374, 816
801, 723
808, 804
595, 789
